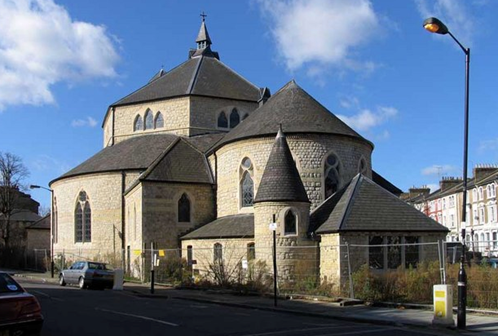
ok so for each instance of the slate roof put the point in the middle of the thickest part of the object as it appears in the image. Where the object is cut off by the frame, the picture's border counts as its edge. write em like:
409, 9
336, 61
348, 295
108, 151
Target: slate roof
22, 215
363, 205
235, 226
202, 75
136, 153
41, 224
180, 163
297, 111
381, 181
281, 180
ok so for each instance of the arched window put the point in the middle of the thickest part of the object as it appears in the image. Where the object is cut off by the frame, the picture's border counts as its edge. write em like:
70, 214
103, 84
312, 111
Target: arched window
362, 166
184, 209
158, 121
222, 120
137, 124
217, 252
331, 175
149, 120
246, 183
251, 251
83, 219
290, 223
234, 118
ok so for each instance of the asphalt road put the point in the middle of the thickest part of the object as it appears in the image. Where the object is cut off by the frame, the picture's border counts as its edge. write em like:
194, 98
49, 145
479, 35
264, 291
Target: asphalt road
70, 311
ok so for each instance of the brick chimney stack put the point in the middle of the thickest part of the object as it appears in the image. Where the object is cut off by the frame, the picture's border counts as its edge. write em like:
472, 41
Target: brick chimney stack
483, 170
449, 182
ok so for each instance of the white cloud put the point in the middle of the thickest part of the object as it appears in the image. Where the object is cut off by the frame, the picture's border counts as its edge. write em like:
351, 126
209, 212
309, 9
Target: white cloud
433, 187
487, 145
455, 16
47, 163
321, 32
41, 45
367, 119
439, 170
90, 122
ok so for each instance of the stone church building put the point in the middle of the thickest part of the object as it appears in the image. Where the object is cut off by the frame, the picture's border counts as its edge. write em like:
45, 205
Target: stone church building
200, 157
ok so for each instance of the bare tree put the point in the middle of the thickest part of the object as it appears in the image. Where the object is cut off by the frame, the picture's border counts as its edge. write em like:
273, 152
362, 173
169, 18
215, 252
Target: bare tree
12, 174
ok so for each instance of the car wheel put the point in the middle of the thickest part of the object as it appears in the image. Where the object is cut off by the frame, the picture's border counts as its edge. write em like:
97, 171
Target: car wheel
81, 283
62, 282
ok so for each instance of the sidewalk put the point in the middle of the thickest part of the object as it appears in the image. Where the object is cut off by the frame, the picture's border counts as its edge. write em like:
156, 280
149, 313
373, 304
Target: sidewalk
476, 323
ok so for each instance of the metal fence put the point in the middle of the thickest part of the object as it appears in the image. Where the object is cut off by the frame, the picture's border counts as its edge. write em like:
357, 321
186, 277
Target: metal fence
385, 270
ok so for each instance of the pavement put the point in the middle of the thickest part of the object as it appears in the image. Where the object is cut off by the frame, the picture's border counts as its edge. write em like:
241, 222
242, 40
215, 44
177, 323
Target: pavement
485, 323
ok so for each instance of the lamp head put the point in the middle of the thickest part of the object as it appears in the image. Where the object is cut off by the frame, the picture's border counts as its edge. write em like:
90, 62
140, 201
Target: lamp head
434, 25
33, 186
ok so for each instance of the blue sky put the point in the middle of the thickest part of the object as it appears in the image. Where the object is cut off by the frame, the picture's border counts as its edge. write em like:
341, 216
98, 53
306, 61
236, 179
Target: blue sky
63, 62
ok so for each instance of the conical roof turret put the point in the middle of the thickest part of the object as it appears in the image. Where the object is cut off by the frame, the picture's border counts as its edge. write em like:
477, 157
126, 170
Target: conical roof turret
281, 180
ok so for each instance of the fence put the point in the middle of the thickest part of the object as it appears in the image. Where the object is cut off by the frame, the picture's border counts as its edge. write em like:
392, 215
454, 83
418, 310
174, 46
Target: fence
395, 270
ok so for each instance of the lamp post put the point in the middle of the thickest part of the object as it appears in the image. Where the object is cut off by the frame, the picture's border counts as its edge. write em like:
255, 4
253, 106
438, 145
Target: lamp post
434, 25
52, 221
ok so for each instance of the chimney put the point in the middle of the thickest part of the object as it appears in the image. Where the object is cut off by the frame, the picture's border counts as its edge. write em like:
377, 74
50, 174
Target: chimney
483, 170
424, 190
449, 182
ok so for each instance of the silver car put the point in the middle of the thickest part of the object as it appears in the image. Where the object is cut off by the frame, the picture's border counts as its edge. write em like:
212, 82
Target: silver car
87, 274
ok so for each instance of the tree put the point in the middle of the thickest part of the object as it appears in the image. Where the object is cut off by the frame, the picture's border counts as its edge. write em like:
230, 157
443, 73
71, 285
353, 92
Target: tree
12, 174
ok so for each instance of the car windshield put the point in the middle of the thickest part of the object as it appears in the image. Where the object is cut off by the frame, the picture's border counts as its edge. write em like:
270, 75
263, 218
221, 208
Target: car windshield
98, 266
8, 285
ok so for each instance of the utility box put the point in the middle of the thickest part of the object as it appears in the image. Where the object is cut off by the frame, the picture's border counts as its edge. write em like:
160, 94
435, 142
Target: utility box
442, 305
118, 279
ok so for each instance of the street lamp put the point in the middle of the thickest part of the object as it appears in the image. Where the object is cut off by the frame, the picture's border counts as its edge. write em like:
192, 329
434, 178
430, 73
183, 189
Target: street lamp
52, 221
434, 25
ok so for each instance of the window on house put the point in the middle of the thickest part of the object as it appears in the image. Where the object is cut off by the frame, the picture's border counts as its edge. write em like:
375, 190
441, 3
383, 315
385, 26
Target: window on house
494, 240
251, 255
234, 118
480, 193
222, 120
452, 220
362, 166
411, 252
149, 120
137, 124
444, 202
83, 219
487, 238
331, 175
159, 122
492, 214
184, 209
376, 254
217, 252
474, 195
246, 183
482, 215
189, 255
290, 223
394, 252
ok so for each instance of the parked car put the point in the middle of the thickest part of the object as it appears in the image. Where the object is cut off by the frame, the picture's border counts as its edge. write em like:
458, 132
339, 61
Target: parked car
20, 312
87, 274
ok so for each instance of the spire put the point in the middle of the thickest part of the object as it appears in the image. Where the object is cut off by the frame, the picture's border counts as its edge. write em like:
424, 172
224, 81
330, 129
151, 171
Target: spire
203, 40
281, 180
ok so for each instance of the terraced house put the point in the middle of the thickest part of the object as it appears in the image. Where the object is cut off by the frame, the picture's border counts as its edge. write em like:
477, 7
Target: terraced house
200, 159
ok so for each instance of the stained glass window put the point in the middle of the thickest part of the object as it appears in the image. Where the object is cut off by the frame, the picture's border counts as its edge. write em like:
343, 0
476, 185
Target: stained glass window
149, 120
159, 122
83, 219
137, 125
222, 120
247, 190
331, 175
234, 118
184, 209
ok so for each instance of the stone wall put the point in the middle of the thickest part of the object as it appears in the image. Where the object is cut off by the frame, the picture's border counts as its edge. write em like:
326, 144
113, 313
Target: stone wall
205, 112
334, 260
160, 211
175, 114
296, 254
309, 151
104, 195
38, 239
234, 251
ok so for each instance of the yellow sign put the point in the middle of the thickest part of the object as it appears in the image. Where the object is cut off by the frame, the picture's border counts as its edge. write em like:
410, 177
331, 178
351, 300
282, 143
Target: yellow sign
440, 309
440, 294
136, 252
161, 253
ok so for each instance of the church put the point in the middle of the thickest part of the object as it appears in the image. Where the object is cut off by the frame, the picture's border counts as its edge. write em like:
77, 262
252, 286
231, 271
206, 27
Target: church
200, 159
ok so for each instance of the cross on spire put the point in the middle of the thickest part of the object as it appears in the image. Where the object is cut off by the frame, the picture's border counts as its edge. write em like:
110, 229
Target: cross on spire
203, 15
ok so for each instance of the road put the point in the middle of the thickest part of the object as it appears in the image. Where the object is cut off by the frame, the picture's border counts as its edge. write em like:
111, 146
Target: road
70, 311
